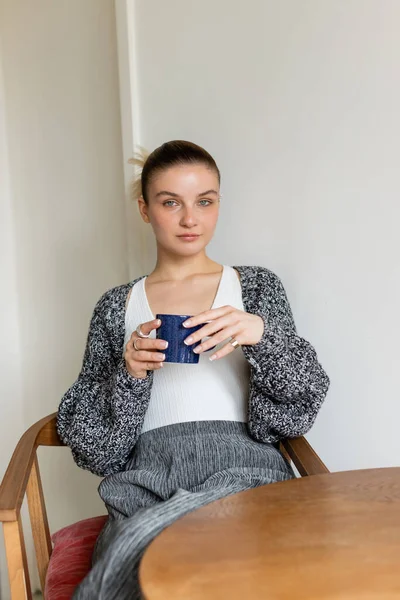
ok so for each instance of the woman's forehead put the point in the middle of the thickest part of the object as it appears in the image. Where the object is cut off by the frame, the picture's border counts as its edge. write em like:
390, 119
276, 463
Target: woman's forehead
185, 177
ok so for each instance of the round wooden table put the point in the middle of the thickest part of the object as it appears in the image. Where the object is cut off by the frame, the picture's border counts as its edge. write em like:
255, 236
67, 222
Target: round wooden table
333, 536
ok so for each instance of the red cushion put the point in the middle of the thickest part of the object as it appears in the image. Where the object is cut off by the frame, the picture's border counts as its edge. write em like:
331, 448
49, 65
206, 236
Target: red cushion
71, 558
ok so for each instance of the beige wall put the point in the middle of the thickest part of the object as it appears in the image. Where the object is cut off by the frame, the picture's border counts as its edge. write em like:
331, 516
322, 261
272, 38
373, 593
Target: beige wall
11, 411
62, 216
299, 103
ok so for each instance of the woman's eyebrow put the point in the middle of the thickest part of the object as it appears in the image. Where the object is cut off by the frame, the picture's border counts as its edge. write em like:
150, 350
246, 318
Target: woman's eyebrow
208, 192
167, 193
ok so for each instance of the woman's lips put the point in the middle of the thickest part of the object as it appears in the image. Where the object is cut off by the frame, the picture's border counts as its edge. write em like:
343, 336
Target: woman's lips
188, 238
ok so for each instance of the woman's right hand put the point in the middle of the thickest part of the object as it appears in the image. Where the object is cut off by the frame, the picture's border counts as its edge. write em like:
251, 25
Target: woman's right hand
146, 358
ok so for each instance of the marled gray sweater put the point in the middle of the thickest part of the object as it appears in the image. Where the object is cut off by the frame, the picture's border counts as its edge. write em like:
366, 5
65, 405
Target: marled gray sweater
101, 415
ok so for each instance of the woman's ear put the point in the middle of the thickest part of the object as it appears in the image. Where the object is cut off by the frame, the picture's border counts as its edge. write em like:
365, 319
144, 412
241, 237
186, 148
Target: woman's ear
143, 209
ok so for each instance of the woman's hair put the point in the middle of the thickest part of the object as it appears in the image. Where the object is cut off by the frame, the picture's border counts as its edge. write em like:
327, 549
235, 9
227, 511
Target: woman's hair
170, 154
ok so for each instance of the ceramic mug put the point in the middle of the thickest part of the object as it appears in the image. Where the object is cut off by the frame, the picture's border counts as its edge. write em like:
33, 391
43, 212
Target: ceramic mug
172, 330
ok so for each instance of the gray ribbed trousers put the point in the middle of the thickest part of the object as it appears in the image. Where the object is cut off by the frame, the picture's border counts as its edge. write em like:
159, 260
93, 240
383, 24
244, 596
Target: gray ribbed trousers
173, 470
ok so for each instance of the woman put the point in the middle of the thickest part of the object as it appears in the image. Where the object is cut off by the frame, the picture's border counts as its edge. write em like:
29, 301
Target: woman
172, 437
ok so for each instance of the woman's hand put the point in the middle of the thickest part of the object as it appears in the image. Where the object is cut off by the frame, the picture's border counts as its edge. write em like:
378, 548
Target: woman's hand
226, 322
138, 362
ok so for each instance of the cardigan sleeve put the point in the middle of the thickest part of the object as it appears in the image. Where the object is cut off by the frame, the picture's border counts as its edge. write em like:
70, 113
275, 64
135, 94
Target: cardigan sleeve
101, 414
288, 384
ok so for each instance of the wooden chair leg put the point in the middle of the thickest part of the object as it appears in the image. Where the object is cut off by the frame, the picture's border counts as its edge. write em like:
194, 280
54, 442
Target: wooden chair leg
40, 525
18, 573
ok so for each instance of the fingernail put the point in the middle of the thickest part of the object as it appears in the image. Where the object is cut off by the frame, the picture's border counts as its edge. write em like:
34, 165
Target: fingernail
213, 357
162, 356
197, 349
165, 344
188, 340
161, 364
186, 324
158, 321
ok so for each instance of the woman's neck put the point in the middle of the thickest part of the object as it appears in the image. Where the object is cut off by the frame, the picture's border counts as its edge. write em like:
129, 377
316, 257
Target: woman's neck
179, 270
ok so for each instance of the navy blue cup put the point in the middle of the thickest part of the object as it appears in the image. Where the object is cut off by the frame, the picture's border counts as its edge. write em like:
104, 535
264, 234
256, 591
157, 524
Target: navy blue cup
172, 330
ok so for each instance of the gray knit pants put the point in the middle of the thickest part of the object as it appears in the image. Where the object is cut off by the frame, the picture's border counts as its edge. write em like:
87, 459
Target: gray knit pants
173, 470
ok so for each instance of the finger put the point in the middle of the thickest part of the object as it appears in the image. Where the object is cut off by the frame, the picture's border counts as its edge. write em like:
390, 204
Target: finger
129, 348
150, 366
216, 339
155, 366
146, 344
145, 356
208, 315
224, 351
147, 327
142, 367
211, 328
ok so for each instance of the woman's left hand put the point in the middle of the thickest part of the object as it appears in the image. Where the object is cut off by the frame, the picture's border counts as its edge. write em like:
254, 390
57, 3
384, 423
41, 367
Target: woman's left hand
226, 321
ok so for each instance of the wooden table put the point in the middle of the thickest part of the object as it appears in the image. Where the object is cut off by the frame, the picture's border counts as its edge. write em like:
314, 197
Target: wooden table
333, 536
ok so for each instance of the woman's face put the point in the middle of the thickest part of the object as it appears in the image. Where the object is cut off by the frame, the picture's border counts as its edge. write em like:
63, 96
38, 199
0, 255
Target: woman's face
182, 200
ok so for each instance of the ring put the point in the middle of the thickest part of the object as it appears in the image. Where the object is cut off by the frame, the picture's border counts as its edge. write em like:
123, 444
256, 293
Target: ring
234, 343
134, 345
140, 334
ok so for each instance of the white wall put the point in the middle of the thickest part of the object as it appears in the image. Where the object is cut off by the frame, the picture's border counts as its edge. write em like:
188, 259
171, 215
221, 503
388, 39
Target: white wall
11, 420
298, 101
62, 220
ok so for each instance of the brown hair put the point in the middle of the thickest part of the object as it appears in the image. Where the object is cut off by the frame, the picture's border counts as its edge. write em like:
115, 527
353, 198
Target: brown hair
170, 154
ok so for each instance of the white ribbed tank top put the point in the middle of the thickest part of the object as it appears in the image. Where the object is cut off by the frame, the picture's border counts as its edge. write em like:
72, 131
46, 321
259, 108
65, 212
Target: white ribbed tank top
209, 390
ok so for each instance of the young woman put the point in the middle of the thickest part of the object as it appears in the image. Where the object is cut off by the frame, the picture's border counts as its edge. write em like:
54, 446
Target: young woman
172, 437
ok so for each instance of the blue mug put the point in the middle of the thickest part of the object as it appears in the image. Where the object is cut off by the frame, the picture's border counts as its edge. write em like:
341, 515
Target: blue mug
172, 330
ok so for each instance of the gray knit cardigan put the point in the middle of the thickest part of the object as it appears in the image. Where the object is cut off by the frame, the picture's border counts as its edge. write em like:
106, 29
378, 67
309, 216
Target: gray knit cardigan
101, 415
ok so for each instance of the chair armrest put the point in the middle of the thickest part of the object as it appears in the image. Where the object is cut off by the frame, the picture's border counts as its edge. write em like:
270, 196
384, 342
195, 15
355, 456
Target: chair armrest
304, 457
13, 486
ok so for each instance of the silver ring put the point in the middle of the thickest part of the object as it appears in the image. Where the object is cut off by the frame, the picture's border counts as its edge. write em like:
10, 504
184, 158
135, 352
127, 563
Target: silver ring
134, 345
140, 334
234, 343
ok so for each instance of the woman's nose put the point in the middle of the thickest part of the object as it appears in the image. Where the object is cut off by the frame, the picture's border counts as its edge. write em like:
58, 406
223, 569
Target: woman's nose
187, 218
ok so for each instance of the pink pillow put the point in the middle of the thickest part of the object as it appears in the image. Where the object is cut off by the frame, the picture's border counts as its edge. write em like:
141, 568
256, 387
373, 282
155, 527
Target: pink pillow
71, 558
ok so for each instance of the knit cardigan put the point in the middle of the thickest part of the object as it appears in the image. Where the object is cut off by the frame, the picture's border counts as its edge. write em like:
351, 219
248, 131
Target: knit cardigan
101, 415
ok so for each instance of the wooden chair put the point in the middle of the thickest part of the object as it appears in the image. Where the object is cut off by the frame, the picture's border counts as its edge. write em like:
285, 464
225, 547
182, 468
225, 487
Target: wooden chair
23, 477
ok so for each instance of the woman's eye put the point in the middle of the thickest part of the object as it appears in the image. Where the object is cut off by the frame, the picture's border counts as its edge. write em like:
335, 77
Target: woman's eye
172, 202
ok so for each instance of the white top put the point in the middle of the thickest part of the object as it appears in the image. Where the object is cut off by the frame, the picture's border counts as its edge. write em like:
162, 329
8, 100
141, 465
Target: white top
209, 390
